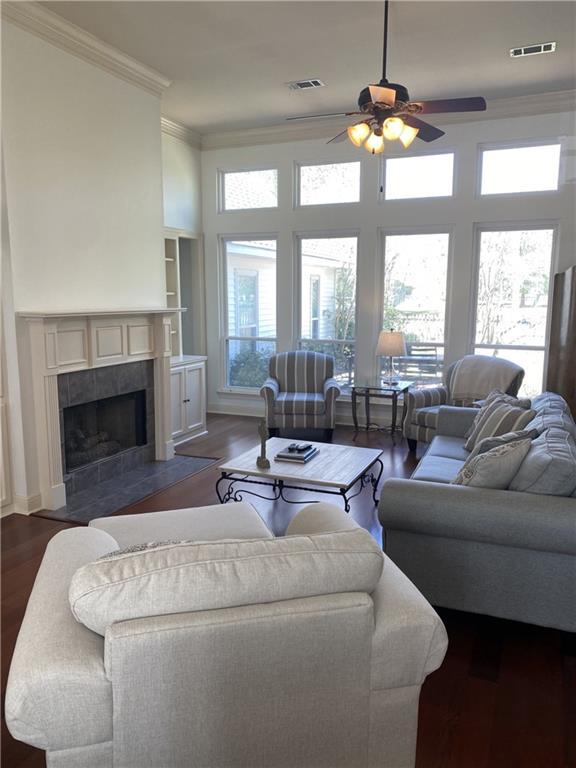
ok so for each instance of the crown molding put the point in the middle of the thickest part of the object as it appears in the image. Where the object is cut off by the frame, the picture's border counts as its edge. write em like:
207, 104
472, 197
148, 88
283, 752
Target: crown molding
497, 109
179, 131
49, 26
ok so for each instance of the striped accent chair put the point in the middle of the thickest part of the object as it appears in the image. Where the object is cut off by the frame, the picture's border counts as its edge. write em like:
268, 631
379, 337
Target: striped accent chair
300, 392
466, 381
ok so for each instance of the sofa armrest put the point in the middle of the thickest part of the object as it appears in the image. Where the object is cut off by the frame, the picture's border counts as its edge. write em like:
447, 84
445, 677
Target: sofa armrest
320, 518
57, 695
455, 421
409, 638
504, 518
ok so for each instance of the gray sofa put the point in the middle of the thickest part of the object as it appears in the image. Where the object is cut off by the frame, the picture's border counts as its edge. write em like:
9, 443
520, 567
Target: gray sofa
235, 648
506, 553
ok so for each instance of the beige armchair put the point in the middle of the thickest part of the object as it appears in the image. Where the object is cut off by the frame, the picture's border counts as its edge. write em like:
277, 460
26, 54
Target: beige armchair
234, 648
469, 379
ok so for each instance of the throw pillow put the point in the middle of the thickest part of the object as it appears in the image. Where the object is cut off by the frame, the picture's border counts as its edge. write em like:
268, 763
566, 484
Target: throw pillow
496, 468
493, 442
550, 466
495, 419
497, 394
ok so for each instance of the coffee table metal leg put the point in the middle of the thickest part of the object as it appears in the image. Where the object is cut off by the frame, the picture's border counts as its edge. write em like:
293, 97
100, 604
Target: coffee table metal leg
222, 477
376, 480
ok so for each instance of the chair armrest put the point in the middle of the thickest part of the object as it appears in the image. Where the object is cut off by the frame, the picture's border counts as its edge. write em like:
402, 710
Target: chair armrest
331, 389
409, 638
421, 398
270, 388
454, 421
57, 686
320, 518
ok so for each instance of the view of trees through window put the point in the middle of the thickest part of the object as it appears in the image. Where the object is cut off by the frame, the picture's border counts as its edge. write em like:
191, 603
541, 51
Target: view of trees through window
330, 183
251, 310
328, 311
250, 189
415, 275
512, 300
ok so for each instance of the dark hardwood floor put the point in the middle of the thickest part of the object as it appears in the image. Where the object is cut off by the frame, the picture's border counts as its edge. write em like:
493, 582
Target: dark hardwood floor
505, 696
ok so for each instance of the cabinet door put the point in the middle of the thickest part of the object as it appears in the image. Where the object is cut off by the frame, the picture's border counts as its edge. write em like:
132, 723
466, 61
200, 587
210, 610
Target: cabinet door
195, 398
177, 398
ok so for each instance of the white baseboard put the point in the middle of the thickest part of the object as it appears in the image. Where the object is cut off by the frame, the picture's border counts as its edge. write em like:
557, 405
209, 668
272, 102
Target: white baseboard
25, 505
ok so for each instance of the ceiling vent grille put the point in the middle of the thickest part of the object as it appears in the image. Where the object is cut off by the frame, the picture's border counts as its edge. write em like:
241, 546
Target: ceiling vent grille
305, 85
532, 50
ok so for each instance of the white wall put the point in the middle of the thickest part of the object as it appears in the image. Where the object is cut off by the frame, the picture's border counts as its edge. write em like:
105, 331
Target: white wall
83, 181
181, 165
458, 214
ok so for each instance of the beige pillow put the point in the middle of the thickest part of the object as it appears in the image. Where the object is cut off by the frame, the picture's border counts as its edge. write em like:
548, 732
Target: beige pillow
197, 576
497, 418
495, 468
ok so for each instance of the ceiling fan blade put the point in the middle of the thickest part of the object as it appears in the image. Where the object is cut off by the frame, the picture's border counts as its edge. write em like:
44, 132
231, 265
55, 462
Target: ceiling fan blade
381, 95
339, 136
329, 114
426, 132
471, 104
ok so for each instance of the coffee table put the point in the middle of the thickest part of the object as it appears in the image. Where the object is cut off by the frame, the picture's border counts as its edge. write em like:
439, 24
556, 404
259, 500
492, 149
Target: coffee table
335, 470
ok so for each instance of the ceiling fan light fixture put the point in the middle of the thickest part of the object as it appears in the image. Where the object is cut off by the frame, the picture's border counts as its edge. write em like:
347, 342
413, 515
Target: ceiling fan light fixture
408, 135
358, 133
393, 128
374, 143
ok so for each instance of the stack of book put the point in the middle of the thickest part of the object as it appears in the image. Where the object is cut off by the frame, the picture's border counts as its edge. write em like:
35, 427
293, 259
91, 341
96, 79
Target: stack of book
297, 452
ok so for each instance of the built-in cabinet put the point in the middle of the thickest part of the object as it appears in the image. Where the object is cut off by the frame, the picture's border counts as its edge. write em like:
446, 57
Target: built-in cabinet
188, 397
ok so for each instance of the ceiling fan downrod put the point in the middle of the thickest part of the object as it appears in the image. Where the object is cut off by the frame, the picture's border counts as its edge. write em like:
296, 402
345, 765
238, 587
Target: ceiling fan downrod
385, 43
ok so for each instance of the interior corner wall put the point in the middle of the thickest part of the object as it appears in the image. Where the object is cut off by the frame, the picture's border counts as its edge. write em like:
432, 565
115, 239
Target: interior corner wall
181, 170
83, 162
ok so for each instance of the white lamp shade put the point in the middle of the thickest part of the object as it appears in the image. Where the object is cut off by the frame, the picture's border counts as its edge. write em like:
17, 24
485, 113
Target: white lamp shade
391, 343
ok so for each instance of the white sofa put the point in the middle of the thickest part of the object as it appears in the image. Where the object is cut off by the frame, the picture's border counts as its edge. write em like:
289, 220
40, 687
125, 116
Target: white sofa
260, 652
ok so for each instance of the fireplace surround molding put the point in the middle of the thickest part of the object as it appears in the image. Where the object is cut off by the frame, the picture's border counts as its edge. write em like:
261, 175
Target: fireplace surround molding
51, 343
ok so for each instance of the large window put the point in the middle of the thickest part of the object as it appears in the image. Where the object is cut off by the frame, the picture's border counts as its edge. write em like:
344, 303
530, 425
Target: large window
520, 169
328, 300
250, 310
419, 176
243, 190
415, 275
329, 183
512, 298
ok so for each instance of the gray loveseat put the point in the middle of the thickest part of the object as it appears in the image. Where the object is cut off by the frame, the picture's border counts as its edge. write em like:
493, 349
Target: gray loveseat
504, 553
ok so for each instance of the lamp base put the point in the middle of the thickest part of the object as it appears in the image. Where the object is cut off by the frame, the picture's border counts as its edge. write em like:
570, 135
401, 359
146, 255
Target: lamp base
391, 375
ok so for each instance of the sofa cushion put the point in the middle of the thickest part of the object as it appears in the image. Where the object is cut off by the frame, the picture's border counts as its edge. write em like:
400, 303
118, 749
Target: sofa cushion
494, 468
497, 418
546, 418
300, 402
493, 442
437, 469
550, 400
550, 466
449, 447
183, 577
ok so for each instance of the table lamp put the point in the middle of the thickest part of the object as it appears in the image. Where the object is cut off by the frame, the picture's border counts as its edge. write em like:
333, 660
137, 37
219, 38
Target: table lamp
391, 344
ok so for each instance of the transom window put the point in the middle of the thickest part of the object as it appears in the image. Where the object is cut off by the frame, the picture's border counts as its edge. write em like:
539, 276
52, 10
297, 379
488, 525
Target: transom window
329, 183
420, 176
243, 190
520, 169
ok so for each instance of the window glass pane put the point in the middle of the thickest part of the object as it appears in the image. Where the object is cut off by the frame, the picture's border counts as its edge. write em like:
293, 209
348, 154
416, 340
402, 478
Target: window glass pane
247, 362
424, 176
531, 360
512, 304
250, 189
343, 353
251, 287
520, 169
335, 183
415, 275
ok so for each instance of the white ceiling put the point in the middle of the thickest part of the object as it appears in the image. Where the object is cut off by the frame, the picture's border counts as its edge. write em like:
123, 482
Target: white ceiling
229, 61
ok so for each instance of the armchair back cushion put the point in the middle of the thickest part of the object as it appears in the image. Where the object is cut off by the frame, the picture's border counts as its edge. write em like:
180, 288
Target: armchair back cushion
190, 576
301, 371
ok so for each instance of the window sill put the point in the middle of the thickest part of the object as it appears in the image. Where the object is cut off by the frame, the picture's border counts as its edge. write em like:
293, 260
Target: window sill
249, 391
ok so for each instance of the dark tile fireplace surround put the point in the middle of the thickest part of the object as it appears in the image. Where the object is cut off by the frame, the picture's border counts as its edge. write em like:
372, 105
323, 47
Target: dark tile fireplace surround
114, 432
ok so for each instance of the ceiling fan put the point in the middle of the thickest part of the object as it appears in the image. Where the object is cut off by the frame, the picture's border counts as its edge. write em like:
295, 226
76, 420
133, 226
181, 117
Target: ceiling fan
388, 113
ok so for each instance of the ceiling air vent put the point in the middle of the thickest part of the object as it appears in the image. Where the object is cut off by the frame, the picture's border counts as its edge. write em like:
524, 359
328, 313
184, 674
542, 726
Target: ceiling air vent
531, 50
304, 85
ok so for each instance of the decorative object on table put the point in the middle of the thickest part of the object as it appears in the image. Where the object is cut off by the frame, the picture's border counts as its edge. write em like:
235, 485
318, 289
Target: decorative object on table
465, 381
262, 462
300, 392
299, 452
391, 344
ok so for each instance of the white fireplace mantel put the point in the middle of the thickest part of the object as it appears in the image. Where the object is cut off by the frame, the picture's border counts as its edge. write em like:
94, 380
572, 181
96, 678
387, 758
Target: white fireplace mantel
51, 343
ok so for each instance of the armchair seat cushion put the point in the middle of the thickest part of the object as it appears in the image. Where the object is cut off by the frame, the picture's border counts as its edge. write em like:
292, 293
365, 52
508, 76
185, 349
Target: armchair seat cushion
309, 403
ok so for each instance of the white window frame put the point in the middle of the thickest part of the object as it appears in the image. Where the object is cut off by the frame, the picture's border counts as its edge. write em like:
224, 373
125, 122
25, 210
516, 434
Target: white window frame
221, 185
522, 144
439, 229
512, 226
298, 165
224, 387
426, 152
322, 235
